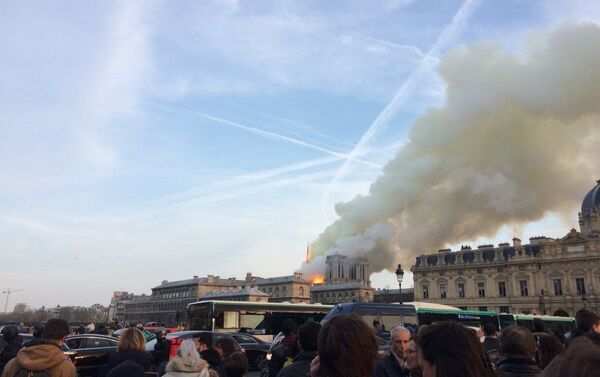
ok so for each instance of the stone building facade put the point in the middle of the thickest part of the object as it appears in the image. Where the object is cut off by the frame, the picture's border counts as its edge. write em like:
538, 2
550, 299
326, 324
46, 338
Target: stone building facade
346, 279
391, 295
292, 288
168, 302
545, 276
249, 294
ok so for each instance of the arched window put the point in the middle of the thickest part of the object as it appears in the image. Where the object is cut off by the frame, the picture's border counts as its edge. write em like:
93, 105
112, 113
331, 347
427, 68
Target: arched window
301, 291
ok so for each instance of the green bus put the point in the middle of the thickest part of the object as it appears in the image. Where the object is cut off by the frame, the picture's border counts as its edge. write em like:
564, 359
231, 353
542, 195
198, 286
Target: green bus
526, 320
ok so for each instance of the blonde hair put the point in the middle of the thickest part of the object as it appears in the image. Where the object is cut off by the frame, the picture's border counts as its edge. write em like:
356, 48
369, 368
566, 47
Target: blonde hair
132, 339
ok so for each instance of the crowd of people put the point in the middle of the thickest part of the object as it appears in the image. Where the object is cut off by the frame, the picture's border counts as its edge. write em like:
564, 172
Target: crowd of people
346, 346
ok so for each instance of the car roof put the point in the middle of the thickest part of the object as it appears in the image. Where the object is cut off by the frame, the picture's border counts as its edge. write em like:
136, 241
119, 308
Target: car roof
91, 336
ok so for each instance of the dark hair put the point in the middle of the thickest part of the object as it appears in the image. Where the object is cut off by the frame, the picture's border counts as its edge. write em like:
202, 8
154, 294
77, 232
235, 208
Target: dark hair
517, 341
308, 334
586, 320
236, 364
227, 345
56, 329
582, 359
347, 348
454, 350
288, 326
204, 338
10, 333
539, 325
489, 329
549, 348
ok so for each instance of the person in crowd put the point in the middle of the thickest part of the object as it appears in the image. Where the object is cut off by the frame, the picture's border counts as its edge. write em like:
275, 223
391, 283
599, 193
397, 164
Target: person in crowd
594, 337
131, 347
548, 348
44, 354
491, 345
539, 326
412, 359
204, 345
286, 349
394, 364
187, 362
81, 329
161, 352
12, 344
517, 349
347, 348
582, 359
225, 347
448, 349
102, 330
587, 322
235, 365
127, 368
308, 334
559, 333
377, 326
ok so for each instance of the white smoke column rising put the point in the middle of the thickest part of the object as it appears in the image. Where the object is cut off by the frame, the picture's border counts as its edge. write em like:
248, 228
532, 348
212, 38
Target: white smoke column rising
517, 137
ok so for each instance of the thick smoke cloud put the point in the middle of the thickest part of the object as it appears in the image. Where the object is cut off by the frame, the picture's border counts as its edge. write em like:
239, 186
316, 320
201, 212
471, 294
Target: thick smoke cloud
517, 137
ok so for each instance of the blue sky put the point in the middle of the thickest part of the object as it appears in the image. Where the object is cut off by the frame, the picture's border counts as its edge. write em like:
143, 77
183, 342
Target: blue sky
144, 141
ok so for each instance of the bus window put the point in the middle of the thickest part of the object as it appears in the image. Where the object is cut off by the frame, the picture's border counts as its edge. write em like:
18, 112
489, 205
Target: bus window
390, 321
231, 320
251, 320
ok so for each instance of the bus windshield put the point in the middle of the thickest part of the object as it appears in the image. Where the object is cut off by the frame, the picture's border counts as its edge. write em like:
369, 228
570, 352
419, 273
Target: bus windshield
251, 317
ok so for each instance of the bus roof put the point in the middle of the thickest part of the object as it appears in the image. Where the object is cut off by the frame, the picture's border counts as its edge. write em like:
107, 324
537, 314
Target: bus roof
437, 308
266, 305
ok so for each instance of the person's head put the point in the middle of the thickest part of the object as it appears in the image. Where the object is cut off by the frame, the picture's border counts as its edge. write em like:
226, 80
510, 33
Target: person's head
587, 321
308, 334
235, 365
160, 335
517, 341
288, 327
448, 349
203, 341
225, 347
56, 330
187, 351
582, 359
399, 338
347, 347
548, 347
10, 333
489, 329
412, 356
539, 325
376, 324
132, 339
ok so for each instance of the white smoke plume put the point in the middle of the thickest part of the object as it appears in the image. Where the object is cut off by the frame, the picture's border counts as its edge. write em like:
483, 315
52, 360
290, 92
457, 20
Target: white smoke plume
517, 137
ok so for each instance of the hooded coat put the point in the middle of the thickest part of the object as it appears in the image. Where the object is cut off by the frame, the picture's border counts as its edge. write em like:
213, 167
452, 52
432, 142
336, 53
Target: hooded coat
39, 357
180, 367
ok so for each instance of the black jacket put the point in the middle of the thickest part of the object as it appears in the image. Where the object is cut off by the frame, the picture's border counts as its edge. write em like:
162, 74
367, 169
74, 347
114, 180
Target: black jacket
389, 367
9, 351
517, 367
214, 360
300, 367
140, 357
161, 351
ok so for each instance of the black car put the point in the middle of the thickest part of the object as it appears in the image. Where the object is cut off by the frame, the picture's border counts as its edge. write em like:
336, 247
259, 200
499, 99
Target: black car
256, 349
90, 351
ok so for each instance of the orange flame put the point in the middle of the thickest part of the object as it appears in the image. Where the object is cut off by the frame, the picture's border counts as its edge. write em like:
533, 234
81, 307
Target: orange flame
318, 279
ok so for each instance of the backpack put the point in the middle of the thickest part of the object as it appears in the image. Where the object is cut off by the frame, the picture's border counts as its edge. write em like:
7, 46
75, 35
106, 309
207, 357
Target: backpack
22, 372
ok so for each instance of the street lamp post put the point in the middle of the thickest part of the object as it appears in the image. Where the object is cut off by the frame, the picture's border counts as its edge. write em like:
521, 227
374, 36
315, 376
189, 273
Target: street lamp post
400, 276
